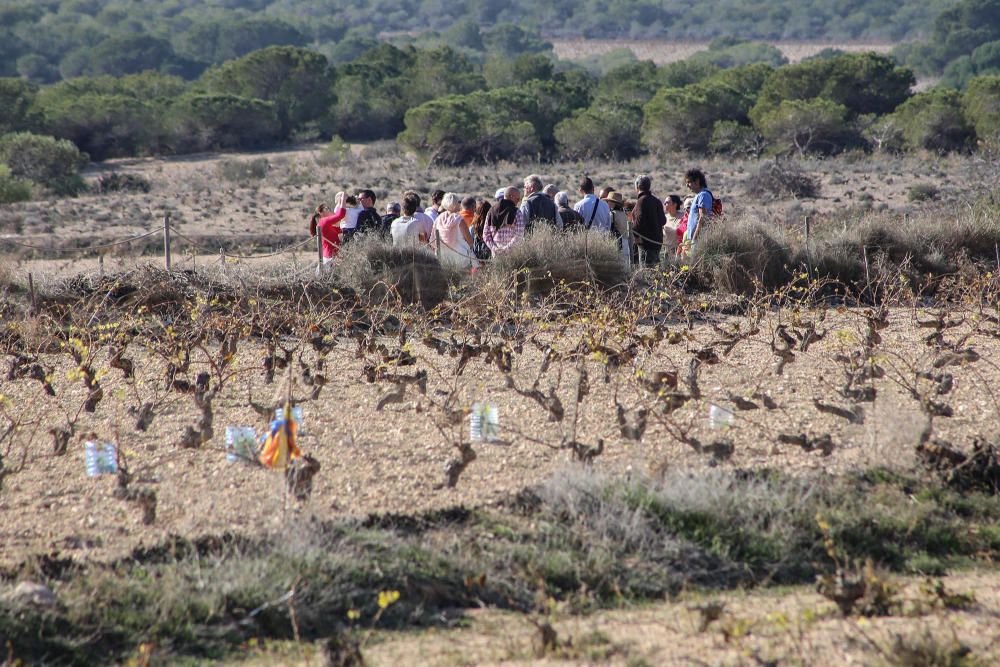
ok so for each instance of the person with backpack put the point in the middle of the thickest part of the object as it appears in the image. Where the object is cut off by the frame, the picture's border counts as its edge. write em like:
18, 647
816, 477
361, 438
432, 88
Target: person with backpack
703, 207
595, 213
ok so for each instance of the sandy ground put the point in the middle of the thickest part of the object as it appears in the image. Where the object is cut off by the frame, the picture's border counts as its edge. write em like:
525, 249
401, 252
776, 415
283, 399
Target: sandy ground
255, 217
392, 460
791, 626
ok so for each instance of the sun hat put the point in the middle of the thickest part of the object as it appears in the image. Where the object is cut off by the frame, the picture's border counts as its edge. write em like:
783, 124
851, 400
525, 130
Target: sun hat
616, 197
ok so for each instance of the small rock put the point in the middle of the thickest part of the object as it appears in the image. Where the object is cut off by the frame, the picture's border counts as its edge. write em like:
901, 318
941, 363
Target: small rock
30, 593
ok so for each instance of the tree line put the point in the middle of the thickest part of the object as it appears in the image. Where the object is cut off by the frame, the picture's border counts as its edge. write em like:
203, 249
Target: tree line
48, 40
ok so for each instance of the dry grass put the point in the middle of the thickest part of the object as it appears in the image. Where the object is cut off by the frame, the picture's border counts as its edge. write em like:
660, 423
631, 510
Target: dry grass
662, 51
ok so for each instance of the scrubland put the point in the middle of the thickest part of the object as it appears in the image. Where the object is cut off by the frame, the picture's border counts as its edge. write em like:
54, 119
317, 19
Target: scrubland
841, 504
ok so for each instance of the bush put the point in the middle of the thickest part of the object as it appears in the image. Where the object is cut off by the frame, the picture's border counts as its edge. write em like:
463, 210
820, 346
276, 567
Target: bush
116, 182
742, 256
933, 120
781, 180
12, 189
802, 126
922, 192
335, 153
606, 131
240, 171
547, 258
47, 161
377, 270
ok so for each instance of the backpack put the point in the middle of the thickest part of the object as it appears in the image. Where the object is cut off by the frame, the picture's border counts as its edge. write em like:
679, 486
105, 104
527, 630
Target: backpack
716, 206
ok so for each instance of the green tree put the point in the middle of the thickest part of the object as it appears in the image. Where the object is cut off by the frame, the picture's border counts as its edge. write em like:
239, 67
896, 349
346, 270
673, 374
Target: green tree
933, 120
125, 54
13, 189
683, 118
730, 137
298, 82
53, 163
199, 121
682, 73
16, 100
861, 82
608, 130
959, 30
510, 41
733, 52
981, 103
636, 82
483, 126
103, 125
802, 126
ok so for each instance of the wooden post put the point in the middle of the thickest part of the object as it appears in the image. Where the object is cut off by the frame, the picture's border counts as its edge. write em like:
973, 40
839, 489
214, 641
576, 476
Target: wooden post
166, 241
31, 291
319, 250
222, 256
437, 244
100, 266
809, 264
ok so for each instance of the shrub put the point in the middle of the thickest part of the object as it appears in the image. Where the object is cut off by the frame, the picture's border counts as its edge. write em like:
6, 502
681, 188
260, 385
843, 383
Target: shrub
335, 153
781, 179
243, 170
982, 107
741, 256
933, 120
603, 131
547, 258
53, 163
377, 270
732, 138
814, 125
116, 182
922, 192
12, 189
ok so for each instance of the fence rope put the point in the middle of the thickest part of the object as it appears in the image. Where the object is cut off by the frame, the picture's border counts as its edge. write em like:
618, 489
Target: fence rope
210, 251
87, 249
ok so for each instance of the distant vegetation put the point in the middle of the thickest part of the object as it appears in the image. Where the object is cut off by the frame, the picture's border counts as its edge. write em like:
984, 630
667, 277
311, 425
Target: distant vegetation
468, 94
45, 40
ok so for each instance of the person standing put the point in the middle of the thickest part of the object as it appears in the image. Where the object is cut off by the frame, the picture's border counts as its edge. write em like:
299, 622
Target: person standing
426, 222
505, 223
368, 219
408, 230
537, 206
434, 209
648, 219
570, 218
621, 225
595, 213
701, 207
452, 237
673, 231
327, 224
392, 211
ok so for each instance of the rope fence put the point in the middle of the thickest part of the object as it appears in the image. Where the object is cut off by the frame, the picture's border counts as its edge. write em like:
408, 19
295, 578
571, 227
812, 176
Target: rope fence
168, 231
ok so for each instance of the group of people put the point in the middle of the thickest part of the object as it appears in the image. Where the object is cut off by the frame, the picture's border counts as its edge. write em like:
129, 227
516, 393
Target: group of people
465, 231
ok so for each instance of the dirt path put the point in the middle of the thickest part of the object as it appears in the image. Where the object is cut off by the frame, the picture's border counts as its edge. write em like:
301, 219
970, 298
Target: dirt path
792, 626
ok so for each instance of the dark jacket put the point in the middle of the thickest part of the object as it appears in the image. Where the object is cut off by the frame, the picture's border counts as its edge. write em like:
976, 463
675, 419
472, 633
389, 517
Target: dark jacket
540, 206
369, 221
648, 219
571, 219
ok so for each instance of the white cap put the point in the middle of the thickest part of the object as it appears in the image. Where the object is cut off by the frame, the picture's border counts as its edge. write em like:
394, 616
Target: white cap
499, 194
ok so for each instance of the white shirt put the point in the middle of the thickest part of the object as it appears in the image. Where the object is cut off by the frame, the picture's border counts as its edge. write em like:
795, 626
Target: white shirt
602, 216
